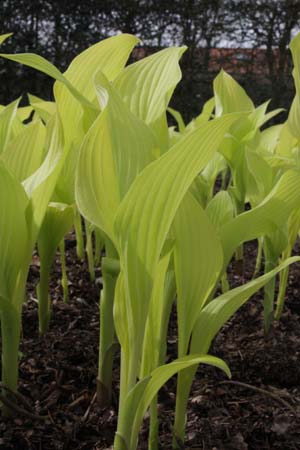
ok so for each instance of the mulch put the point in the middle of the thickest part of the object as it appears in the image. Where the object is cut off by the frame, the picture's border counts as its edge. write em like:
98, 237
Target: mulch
58, 372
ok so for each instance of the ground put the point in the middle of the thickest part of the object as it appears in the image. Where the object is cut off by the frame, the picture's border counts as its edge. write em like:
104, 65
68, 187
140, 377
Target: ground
58, 372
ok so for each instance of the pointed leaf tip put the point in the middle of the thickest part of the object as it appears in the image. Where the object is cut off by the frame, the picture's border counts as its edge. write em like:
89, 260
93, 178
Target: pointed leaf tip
3, 37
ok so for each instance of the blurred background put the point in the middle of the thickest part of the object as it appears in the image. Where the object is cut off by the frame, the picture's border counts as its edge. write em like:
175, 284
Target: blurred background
248, 38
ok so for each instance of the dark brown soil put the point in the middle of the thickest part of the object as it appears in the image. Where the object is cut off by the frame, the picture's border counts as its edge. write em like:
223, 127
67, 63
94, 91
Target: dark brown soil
58, 371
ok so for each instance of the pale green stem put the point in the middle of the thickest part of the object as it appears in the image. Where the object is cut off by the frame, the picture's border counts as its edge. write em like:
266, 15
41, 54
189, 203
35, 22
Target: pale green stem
258, 257
10, 333
153, 431
133, 366
110, 272
99, 244
123, 381
79, 236
225, 283
170, 292
184, 383
119, 444
239, 253
128, 379
284, 274
64, 276
89, 250
129, 374
269, 291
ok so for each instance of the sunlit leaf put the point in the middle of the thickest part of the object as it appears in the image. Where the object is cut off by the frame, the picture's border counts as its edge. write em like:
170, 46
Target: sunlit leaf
198, 258
230, 96
13, 230
24, 153
116, 148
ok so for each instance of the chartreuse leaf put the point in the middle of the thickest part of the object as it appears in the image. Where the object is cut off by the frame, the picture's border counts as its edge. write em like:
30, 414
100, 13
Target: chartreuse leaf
44, 109
17, 127
3, 37
13, 230
240, 134
13, 249
7, 116
65, 187
155, 340
269, 138
116, 148
198, 259
277, 242
140, 397
109, 56
178, 117
294, 115
146, 214
35, 99
273, 245
206, 113
258, 177
218, 311
147, 85
58, 220
293, 227
265, 218
220, 209
160, 307
41, 184
205, 182
174, 136
260, 116
24, 112
23, 155
230, 96
287, 143
74, 88
39, 63
213, 168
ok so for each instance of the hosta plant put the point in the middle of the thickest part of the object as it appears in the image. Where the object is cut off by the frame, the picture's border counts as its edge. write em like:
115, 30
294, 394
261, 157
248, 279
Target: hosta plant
148, 194
23, 206
144, 224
